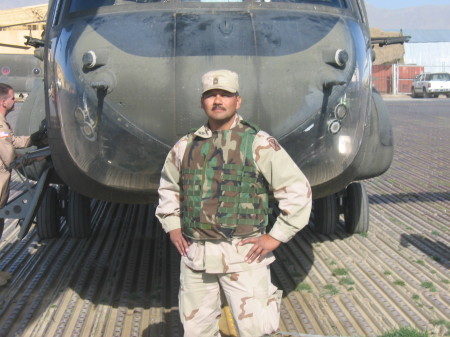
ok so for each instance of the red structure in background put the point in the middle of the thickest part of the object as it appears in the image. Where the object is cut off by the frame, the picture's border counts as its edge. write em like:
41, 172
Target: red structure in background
388, 78
382, 78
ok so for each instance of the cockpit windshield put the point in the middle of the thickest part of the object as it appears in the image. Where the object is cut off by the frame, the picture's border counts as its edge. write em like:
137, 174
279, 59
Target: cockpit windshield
78, 5
332, 3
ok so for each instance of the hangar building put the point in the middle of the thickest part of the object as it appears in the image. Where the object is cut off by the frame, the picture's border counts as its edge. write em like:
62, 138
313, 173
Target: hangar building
428, 48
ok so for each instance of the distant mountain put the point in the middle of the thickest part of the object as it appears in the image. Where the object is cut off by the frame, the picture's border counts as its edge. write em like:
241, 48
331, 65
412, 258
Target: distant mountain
421, 17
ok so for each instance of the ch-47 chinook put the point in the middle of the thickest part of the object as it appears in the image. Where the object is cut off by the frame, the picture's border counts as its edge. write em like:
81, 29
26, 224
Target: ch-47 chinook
121, 85
21, 71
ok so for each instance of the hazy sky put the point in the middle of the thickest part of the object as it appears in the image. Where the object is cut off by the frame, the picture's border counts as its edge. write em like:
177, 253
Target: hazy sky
5, 4
405, 3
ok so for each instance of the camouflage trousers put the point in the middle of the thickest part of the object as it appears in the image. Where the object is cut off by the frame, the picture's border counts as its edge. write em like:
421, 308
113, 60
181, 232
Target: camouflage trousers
253, 299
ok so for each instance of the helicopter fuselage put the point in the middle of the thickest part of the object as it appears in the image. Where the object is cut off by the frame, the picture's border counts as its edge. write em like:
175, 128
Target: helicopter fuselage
123, 84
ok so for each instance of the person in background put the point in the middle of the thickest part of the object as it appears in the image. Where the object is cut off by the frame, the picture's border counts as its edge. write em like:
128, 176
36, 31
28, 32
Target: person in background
8, 144
214, 203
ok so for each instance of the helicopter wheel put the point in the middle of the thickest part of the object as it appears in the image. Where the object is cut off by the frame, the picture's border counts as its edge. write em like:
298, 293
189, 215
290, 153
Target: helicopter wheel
2, 226
78, 215
325, 214
356, 209
47, 219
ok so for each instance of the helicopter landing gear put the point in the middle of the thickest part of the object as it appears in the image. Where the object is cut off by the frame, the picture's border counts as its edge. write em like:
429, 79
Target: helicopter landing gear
47, 216
356, 208
2, 226
325, 214
62, 201
78, 215
352, 202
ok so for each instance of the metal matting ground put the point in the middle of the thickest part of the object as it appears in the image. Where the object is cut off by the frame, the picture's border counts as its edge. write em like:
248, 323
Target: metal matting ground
123, 281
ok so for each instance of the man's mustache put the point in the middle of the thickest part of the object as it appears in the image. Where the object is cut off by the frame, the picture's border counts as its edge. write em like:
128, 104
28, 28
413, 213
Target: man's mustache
218, 107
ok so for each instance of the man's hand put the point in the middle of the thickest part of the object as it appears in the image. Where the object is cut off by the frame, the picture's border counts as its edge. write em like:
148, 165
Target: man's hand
179, 241
39, 138
262, 245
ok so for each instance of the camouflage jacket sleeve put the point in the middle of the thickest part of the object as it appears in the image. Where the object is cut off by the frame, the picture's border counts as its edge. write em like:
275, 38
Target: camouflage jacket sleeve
7, 150
168, 210
20, 142
7, 154
290, 187
6, 133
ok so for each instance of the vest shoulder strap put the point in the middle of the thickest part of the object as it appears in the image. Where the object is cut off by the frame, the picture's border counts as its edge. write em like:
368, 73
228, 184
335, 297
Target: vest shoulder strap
251, 125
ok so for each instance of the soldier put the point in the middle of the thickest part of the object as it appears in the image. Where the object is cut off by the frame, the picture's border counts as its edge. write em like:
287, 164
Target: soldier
213, 202
8, 144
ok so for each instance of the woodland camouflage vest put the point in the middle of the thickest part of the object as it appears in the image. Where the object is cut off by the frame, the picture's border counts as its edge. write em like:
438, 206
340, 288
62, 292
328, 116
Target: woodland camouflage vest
223, 195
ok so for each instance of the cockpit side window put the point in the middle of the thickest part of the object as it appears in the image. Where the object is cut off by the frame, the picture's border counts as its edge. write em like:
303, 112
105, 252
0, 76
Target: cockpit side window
362, 11
55, 13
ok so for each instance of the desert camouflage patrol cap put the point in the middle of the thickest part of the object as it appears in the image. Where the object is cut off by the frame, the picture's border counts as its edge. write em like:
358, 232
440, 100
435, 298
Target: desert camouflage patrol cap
220, 79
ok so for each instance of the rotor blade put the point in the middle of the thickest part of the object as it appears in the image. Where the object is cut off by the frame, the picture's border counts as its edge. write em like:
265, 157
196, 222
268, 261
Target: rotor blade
13, 46
21, 24
384, 41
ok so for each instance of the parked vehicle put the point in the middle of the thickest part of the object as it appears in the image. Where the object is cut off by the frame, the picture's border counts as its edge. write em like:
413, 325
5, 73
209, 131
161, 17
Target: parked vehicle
431, 85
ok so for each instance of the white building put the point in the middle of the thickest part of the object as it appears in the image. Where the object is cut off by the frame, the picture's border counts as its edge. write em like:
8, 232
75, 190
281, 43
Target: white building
17, 23
428, 48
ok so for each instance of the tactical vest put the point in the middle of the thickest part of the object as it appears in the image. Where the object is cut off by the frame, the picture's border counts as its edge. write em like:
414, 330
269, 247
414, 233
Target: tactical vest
223, 195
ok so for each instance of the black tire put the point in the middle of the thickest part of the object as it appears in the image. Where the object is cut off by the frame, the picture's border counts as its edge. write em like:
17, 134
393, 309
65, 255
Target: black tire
425, 94
2, 226
47, 216
78, 215
326, 214
356, 209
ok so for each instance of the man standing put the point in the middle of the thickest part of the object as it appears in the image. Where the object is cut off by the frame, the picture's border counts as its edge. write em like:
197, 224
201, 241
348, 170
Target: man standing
8, 144
213, 202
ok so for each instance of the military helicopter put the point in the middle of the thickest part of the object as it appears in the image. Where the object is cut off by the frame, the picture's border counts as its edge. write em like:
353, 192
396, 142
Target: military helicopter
21, 71
122, 84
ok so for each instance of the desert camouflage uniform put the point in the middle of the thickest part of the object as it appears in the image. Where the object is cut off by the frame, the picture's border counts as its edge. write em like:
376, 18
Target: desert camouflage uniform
8, 144
254, 301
